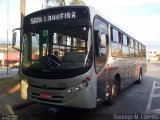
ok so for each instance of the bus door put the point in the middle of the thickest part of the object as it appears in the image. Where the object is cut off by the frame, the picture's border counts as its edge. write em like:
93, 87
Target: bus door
101, 54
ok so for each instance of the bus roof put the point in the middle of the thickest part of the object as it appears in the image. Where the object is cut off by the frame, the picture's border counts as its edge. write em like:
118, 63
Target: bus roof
93, 12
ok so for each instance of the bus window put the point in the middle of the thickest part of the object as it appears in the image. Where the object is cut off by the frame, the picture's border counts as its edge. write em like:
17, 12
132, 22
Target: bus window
140, 50
136, 45
144, 51
132, 50
125, 51
131, 43
125, 40
100, 25
101, 37
70, 43
35, 47
116, 49
125, 48
136, 49
128, 41
115, 35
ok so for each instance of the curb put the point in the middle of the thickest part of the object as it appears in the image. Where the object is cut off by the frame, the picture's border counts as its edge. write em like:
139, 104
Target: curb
7, 76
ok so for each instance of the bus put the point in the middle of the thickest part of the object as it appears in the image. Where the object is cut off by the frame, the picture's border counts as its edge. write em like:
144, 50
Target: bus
73, 56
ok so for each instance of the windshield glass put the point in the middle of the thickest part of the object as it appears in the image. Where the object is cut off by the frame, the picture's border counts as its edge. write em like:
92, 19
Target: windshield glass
57, 48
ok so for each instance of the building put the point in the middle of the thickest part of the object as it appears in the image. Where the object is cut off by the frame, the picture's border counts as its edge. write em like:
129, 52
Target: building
153, 55
1, 59
12, 59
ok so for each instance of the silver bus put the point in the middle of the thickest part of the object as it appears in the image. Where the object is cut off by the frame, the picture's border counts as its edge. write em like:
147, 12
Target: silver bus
73, 56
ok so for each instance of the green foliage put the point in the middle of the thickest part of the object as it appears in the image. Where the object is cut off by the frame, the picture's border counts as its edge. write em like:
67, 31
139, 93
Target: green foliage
77, 2
57, 2
63, 2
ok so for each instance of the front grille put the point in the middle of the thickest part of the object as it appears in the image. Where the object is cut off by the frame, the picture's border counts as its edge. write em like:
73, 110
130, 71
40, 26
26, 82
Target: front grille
55, 73
48, 88
46, 100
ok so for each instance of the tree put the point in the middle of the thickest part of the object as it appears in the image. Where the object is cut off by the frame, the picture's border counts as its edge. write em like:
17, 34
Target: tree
65, 2
77, 2
56, 2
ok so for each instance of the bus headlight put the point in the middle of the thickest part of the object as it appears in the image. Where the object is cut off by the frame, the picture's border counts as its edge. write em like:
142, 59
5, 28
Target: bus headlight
80, 86
85, 83
24, 86
24, 83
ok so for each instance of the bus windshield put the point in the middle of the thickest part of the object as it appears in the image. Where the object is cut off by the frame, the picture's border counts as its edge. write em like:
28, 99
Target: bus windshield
57, 48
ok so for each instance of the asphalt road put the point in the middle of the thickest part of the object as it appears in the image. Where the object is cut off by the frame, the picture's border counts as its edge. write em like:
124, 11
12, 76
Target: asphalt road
135, 102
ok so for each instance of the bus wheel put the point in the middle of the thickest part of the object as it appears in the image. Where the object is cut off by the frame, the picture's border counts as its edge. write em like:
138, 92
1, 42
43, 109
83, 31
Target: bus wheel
114, 92
140, 77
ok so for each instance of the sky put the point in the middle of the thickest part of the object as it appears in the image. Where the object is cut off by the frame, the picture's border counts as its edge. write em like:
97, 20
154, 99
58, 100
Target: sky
139, 18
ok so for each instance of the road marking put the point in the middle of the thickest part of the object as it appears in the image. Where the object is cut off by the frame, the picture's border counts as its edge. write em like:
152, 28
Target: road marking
9, 108
156, 85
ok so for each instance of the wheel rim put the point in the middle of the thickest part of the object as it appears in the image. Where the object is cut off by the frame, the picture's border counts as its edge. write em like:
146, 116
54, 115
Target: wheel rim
140, 77
114, 90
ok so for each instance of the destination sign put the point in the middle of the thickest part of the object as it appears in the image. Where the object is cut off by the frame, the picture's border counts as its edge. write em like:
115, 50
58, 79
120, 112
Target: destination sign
48, 16
53, 17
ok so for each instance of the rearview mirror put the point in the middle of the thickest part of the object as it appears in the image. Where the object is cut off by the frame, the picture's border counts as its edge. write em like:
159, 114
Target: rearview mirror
102, 40
14, 38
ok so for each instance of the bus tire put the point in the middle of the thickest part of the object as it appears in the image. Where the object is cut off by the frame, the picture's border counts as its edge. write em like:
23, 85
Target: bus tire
114, 92
139, 80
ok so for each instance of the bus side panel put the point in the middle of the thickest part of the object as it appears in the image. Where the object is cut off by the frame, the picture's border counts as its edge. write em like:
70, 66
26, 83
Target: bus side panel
116, 67
102, 80
144, 66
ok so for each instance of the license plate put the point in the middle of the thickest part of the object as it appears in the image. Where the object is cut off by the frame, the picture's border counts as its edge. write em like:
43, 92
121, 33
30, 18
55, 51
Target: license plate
45, 95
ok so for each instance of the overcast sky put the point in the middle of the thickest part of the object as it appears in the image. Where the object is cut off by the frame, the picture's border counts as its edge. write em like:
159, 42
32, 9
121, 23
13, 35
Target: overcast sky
139, 18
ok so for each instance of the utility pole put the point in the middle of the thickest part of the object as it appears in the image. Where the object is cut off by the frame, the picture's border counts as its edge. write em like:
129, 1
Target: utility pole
21, 32
7, 32
45, 4
22, 16
77, 2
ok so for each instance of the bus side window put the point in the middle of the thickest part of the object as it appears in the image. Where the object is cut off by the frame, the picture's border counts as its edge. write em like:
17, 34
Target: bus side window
100, 49
116, 43
100, 42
